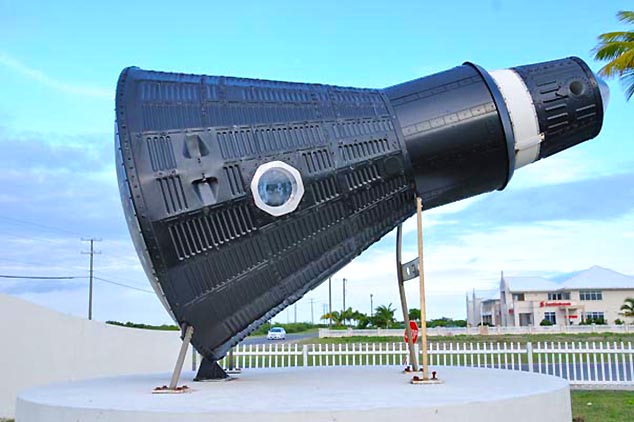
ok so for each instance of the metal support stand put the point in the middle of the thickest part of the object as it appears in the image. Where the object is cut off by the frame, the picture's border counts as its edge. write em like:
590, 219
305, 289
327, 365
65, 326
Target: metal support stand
401, 288
178, 368
231, 364
210, 371
189, 332
423, 316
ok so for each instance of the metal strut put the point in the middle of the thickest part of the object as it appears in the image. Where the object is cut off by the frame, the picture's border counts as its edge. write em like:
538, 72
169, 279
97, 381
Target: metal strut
401, 289
189, 332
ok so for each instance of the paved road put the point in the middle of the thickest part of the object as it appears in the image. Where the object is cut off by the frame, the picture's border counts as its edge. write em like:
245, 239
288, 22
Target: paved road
290, 338
583, 372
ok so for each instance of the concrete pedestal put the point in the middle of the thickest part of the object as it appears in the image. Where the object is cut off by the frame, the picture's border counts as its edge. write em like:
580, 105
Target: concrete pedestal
307, 394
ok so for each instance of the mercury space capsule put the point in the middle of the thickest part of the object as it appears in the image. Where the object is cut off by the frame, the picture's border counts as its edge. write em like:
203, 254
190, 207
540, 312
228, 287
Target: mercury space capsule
242, 195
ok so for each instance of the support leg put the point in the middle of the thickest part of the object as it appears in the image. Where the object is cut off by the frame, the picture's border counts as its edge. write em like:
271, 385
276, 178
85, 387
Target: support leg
189, 332
413, 361
210, 370
423, 313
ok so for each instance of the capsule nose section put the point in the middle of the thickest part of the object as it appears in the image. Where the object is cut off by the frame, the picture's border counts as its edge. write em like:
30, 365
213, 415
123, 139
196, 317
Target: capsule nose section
605, 91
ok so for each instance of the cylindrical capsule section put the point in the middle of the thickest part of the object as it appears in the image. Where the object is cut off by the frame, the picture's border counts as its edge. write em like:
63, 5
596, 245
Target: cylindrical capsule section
567, 100
457, 134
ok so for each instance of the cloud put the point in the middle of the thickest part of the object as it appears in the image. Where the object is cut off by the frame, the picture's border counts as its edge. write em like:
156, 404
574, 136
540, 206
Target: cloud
68, 182
600, 198
61, 181
43, 286
474, 259
56, 190
41, 77
541, 230
572, 165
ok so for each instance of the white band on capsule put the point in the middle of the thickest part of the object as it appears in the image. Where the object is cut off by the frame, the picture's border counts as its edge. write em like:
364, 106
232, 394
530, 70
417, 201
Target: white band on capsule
523, 115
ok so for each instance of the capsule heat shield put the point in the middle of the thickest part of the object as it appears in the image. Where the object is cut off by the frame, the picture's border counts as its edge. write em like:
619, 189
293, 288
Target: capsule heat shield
190, 147
242, 195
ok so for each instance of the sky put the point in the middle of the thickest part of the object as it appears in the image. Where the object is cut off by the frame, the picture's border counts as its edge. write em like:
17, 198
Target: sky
59, 64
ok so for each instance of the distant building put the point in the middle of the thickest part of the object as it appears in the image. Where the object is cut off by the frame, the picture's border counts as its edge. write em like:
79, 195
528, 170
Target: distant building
483, 307
596, 293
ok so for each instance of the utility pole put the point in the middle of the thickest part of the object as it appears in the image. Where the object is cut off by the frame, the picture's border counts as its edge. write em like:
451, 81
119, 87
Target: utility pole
371, 305
312, 318
330, 301
344, 295
92, 253
295, 312
343, 311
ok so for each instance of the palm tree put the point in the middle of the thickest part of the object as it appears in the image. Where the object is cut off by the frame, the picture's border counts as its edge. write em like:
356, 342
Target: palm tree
342, 318
617, 48
628, 307
384, 316
336, 317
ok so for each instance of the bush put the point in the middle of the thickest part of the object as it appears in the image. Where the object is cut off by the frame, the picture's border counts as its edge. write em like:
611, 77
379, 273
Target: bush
545, 323
595, 321
447, 322
164, 327
619, 321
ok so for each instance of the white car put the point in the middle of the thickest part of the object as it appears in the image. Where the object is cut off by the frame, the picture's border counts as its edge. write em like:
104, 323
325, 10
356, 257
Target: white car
276, 333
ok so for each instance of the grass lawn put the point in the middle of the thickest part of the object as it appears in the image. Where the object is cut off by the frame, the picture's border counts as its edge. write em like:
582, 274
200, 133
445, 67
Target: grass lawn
602, 406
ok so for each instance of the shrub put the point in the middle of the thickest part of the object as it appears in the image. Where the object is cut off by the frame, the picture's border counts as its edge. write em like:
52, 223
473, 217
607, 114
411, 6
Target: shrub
595, 321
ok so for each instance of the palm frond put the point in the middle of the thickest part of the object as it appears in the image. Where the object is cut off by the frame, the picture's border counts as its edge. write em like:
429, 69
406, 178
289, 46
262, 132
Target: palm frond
613, 50
616, 36
627, 79
617, 49
619, 64
625, 16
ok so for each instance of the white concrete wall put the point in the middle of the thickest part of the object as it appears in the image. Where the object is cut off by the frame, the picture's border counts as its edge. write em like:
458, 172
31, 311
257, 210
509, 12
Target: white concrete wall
39, 346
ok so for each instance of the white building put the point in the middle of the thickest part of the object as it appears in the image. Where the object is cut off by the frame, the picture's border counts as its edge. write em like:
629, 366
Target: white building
596, 293
483, 307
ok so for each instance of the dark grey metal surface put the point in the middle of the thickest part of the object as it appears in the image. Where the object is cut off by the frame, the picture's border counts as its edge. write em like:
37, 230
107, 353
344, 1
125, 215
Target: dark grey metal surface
567, 100
189, 145
409, 270
454, 135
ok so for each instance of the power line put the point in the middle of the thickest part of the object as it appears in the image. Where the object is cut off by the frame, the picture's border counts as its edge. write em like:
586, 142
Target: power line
50, 228
40, 277
122, 285
32, 237
41, 226
31, 263
120, 279
71, 277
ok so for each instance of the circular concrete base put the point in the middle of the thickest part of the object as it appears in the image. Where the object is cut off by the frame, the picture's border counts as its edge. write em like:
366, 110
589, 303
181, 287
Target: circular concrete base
308, 394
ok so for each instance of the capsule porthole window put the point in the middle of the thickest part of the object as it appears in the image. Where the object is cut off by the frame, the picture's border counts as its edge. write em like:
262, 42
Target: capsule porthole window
277, 188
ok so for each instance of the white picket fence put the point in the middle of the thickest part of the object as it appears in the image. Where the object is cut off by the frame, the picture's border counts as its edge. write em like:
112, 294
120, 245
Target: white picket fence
582, 363
482, 330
